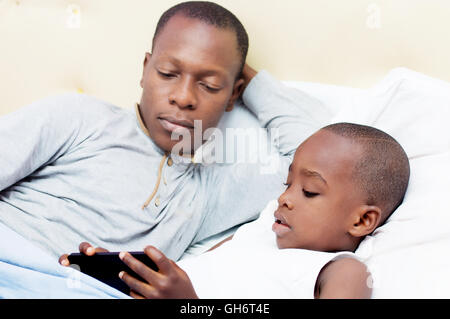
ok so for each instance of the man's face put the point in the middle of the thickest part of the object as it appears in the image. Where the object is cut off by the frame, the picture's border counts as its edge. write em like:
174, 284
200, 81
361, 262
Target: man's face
315, 210
190, 75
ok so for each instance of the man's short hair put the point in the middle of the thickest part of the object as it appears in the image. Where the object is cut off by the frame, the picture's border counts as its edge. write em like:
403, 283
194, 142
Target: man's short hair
212, 14
383, 170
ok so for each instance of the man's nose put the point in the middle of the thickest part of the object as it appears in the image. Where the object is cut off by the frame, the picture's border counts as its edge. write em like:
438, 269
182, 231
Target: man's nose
284, 201
184, 95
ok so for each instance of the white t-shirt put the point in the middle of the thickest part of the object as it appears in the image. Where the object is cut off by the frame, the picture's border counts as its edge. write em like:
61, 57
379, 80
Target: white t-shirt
252, 266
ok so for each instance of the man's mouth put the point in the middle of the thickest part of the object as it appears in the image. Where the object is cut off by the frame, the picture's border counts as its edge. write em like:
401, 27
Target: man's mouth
172, 124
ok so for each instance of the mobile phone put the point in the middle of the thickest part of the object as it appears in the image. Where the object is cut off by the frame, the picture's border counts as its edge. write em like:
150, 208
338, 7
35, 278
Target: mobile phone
106, 266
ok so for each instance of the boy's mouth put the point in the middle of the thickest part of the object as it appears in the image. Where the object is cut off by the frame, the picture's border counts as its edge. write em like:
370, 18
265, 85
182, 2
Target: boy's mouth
280, 222
279, 219
280, 226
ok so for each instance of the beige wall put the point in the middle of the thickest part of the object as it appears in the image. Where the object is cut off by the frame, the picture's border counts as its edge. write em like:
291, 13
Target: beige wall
98, 46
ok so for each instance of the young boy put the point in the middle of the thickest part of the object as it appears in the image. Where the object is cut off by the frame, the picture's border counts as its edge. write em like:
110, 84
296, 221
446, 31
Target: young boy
344, 182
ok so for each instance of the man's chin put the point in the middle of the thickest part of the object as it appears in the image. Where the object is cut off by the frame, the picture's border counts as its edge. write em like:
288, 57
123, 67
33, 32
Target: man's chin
175, 147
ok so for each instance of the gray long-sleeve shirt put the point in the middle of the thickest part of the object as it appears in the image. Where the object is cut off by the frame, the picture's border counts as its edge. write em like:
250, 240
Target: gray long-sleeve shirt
74, 168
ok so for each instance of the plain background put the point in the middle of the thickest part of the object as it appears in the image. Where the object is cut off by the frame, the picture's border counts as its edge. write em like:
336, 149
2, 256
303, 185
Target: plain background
97, 46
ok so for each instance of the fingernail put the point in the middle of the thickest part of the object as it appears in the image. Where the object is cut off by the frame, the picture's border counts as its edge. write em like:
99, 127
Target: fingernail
122, 255
156, 253
90, 250
121, 274
65, 262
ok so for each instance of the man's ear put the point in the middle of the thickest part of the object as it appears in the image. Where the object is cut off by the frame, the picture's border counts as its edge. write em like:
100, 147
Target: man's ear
147, 58
366, 220
238, 88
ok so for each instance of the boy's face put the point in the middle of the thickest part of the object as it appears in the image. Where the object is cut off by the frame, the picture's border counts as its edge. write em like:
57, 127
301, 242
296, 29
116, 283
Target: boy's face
190, 75
315, 210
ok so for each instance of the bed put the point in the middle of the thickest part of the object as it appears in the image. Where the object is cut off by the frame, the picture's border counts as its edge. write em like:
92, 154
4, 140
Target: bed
381, 63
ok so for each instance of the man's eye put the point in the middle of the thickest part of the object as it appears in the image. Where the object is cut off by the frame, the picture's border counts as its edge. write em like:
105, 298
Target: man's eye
309, 194
286, 184
166, 74
210, 88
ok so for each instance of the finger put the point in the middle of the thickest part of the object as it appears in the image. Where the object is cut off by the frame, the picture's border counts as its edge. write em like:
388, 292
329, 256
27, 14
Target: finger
136, 285
63, 260
140, 268
101, 250
135, 295
163, 263
86, 249
89, 250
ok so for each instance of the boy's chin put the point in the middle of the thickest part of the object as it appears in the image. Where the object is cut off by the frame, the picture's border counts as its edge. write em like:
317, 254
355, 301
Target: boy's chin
282, 244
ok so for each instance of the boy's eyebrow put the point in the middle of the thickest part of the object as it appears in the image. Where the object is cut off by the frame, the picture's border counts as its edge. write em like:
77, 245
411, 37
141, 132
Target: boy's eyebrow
310, 173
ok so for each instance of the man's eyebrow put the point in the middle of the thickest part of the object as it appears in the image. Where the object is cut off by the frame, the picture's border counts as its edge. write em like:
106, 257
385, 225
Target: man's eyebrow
310, 173
210, 72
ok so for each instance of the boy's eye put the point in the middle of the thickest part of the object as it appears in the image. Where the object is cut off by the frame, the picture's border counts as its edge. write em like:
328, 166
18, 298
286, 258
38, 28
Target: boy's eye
309, 194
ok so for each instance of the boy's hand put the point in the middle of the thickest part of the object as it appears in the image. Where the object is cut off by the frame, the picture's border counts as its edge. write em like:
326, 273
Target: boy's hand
84, 248
169, 282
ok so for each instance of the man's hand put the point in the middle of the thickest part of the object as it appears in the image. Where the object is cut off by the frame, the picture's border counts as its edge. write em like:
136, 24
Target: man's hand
84, 248
170, 282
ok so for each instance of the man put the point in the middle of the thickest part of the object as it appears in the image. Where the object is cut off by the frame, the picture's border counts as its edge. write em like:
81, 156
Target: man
78, 169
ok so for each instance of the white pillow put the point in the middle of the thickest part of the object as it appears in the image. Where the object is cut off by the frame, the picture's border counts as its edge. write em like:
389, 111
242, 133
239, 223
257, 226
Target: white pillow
408, 255
410, 106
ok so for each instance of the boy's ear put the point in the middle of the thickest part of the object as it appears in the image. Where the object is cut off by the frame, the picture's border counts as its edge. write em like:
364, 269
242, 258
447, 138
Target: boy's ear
366, 220
238, 88
147, 58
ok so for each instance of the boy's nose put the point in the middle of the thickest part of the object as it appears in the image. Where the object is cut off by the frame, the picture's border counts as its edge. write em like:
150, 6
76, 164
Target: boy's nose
184, 95
284, 201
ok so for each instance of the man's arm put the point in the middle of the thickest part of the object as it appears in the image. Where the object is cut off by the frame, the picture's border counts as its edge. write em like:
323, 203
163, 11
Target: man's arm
294, 114
33, 136
345, 278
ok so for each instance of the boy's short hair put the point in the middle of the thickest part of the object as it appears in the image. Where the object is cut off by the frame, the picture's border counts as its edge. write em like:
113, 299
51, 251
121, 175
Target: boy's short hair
212, 14
383, 170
